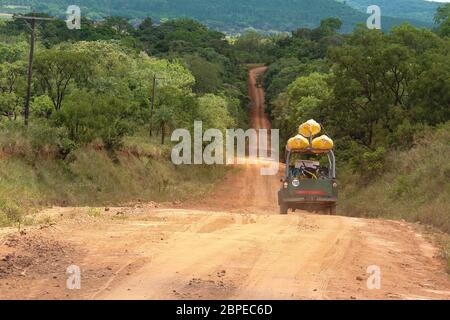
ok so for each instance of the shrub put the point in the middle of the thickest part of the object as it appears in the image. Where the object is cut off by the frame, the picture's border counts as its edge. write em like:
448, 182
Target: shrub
10, 213
369, 164
88, 116
39, 140
41, 107
413, 184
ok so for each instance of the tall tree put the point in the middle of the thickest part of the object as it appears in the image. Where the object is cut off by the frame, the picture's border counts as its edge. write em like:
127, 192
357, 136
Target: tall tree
57, 69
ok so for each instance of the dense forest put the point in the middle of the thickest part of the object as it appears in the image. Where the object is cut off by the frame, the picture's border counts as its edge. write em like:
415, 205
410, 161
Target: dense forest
93, 121
234, 16
194, 66
383, 97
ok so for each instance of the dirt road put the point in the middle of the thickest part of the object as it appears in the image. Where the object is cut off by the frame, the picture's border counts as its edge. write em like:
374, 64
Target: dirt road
232, 245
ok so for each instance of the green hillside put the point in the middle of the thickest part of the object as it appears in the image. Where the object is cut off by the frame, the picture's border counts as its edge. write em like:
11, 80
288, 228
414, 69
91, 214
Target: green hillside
230, 16
413, 9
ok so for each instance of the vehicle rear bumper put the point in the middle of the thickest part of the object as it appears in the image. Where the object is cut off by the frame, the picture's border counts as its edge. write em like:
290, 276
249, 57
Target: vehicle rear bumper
300, 200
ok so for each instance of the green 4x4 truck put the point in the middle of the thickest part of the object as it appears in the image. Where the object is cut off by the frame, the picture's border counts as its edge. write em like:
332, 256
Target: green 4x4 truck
309, 182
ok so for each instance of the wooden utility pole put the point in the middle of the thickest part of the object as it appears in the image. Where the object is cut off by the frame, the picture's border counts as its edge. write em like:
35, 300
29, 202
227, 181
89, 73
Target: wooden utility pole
32, 24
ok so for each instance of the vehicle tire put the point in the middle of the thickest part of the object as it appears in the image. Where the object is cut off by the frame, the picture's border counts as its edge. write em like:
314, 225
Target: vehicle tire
332, 210
284, 209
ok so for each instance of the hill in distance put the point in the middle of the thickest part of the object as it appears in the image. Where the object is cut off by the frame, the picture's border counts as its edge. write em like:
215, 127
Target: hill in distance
234, 16
420, 10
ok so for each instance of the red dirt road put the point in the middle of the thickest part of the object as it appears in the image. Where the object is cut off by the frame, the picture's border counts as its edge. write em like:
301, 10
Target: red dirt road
232, 245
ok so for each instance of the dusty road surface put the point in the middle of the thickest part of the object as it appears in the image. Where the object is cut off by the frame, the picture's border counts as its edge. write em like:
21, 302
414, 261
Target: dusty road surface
233, 244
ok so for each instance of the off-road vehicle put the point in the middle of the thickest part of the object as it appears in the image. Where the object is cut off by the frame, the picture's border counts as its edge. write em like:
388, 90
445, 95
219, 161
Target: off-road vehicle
309, 182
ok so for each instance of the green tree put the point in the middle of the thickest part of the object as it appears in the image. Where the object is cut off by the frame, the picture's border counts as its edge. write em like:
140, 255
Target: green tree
42, 106
214, 112
172, 110
303, 100
12, 77
89, 116
164, 120
56, 69
207, 75
251, 47
12, 86
12, 52
370, 85
119, 24
442, 18
9, 104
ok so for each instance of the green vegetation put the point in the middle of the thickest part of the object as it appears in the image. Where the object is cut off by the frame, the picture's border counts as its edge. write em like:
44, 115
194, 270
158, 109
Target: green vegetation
234, 16
33, 176
442, 18
92, 136
412, 184
384, 98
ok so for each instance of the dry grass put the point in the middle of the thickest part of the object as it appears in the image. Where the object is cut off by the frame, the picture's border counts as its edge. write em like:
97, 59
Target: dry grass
91, 177
442, 240
415, 186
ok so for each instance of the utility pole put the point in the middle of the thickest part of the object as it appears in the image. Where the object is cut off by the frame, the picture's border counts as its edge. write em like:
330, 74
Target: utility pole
152, 107
32, 25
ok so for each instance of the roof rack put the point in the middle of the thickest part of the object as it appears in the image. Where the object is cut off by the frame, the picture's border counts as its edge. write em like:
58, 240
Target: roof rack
309, 150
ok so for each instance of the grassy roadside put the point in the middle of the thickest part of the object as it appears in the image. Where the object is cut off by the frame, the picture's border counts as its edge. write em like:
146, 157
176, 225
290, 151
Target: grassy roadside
445, 244
412, 185
441, 240
92, 177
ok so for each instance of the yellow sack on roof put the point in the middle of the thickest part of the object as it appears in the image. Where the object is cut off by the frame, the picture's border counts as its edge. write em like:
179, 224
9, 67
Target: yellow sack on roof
323, 143
309, 128
298, 143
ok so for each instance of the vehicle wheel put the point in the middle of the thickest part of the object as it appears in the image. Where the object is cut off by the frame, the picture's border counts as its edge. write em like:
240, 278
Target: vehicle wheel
284, 209
333, 210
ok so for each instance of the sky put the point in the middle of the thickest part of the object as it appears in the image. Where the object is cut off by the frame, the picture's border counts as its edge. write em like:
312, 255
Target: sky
439, 0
